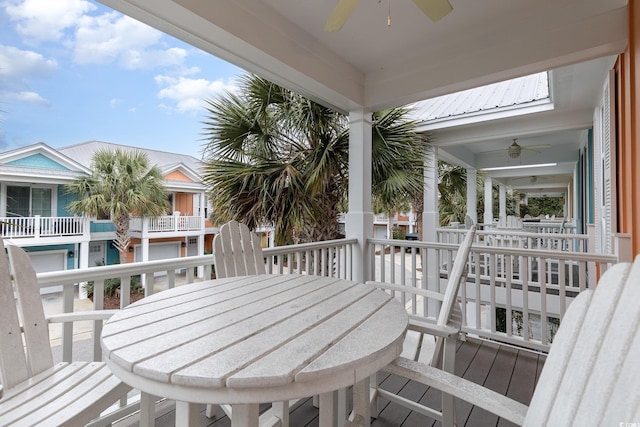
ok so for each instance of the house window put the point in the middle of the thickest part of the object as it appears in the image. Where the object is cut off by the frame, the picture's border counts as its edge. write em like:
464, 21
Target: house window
193, 240
27, 201
41, 201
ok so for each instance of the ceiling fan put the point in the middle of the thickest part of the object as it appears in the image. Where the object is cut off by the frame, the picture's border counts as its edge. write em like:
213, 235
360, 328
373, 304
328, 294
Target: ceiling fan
515, 150
434, 9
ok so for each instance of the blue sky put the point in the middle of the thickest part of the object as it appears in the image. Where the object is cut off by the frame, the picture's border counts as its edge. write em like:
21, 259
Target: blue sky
74, 71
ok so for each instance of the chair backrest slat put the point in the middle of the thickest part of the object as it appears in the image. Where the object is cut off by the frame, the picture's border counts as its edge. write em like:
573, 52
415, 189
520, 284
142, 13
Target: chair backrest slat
449, 314
592, 371
13, 362
455, 277
237, 251
36, 328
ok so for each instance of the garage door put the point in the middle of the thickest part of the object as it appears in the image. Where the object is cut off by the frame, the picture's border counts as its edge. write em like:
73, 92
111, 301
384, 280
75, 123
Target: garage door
159, 251
49, 261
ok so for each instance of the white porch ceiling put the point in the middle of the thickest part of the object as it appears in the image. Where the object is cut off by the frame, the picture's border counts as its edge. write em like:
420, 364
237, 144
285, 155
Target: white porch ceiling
370, 66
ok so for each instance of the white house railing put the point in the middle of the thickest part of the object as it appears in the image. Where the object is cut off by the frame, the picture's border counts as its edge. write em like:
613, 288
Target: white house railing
168, 223
519, 239
332, 258
495, 304
41, 226
513, 295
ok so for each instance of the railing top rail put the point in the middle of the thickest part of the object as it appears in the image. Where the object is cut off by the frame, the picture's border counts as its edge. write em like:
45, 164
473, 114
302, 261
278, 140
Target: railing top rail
498, 232
498, 250
280, 250
541, 253
110, 271
413, 243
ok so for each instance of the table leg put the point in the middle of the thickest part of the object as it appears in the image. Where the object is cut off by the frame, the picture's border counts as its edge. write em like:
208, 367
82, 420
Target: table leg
328, 409
187, 414
244, 415
362, 402
147, 409
281, 410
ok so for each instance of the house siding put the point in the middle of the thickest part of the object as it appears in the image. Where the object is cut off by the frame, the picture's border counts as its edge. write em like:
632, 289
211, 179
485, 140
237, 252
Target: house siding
628, 96
38, 161
63, 201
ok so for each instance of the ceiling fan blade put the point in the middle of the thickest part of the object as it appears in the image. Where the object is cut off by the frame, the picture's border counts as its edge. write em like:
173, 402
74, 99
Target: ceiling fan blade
340, 14
538, 147
434, 9
530, 150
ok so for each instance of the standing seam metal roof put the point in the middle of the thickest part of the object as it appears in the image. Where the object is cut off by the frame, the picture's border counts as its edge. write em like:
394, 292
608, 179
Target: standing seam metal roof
516, 92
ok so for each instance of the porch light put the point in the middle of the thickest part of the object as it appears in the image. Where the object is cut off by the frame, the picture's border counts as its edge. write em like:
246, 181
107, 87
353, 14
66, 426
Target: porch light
502, 168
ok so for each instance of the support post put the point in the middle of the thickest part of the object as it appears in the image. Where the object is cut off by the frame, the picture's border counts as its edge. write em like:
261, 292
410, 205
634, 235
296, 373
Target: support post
431, 222
503, 201
359, 219
472, 196
488, 200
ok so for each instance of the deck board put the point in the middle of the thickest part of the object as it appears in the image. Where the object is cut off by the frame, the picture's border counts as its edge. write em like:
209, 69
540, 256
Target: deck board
504, 369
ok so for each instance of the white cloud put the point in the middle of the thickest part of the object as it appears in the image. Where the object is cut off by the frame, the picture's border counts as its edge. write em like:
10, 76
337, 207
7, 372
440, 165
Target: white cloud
112, 37
28, 96
46, 20
188, 93
152, 58
17, 68
20, 64
93, 39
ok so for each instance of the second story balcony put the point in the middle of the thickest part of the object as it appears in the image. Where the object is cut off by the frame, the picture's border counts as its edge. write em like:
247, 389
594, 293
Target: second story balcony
168, 226
41, 229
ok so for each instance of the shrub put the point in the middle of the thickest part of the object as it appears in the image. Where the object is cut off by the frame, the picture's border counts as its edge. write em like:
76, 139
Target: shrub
111, 285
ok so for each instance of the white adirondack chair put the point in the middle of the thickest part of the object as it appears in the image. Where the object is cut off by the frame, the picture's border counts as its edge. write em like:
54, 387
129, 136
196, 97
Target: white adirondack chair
37, 392
237, 251
428, 341
592, 374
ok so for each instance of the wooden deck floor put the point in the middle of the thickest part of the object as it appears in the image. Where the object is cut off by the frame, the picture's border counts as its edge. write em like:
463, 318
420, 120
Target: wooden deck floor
506, 370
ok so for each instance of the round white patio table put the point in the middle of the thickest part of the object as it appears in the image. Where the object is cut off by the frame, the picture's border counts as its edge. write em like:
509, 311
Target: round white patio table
254, 339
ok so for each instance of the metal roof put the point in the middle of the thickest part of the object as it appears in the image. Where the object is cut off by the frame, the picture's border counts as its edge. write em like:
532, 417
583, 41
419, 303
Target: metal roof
519, 92
83, 153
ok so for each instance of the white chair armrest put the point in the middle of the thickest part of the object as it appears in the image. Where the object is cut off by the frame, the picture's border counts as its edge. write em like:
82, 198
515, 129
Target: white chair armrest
432, 329
460, 388
81, 315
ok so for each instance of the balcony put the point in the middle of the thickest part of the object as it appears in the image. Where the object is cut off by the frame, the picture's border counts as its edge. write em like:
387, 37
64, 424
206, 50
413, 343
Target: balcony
45, 229
531, 285
166, 226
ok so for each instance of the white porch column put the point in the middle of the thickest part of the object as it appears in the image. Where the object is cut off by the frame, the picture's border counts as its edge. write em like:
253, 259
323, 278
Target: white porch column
430, 215
359, 219
488, 200
83, 254
144, 253
503, 201
200, 269
472, 196
144, 248
431, 222
202, 205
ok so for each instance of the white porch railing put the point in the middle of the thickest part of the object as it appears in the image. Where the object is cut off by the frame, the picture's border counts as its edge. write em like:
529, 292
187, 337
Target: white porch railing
168, 223
519, 239
495, 304
40, 226
332, 258
548, 227
512, 295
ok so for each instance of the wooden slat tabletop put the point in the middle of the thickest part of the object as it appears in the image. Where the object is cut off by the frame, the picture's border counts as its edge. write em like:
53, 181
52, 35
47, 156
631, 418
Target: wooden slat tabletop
254, 339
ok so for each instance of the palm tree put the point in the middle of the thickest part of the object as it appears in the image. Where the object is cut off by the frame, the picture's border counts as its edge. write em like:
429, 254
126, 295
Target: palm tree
122, 184
452, 186
275, 157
